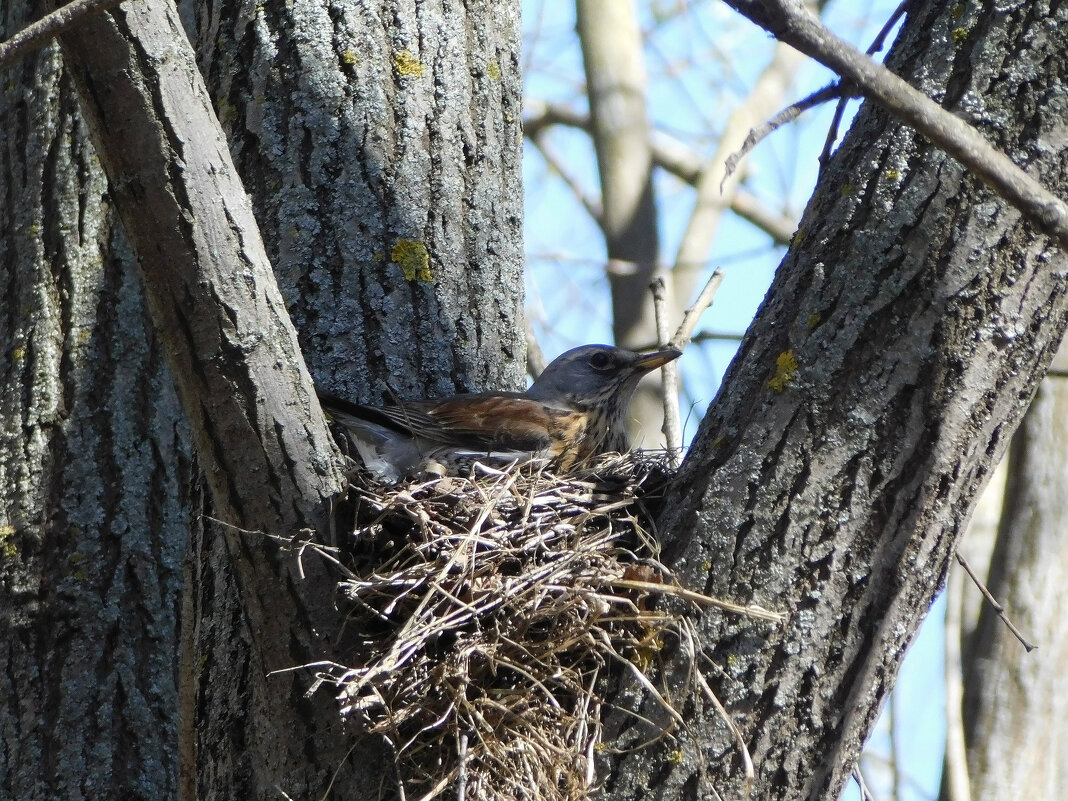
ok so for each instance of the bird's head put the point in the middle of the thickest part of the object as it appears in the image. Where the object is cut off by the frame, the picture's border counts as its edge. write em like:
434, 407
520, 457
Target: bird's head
593, 375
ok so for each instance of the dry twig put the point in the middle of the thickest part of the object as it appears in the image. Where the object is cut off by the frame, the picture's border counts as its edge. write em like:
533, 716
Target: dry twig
997, 607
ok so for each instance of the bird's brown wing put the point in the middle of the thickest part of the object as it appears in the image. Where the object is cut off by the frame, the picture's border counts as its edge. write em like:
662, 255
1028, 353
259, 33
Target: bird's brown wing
490, 422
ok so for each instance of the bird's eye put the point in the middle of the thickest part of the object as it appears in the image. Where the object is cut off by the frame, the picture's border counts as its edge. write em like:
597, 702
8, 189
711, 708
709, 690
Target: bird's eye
599, 361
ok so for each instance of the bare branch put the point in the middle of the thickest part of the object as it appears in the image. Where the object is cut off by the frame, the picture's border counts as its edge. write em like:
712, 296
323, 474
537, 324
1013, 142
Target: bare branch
789, 21
997, 607
541, 116
839, 111
693, 314
778, 226
670, 154
834, 91
591, 204
715, 188
957, 781
672, 420
37, 34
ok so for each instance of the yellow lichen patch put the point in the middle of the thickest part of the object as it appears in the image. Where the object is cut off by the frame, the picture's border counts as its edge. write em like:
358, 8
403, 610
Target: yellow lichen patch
785, 370
75, 562
813, 320
675, 757
493, 69
413, 259
799, 237
408, 65
892, 174
18, 353
645, 654
226, 112
7, 542
349, 57
960, 34
958, 11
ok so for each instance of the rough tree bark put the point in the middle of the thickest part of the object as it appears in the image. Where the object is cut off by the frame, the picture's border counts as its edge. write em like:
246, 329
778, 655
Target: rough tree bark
384, 172
235, 610
95, 465
381, 144
898, 348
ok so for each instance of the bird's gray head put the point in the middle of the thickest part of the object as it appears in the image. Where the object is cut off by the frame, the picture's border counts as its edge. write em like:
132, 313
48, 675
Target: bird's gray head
591, 374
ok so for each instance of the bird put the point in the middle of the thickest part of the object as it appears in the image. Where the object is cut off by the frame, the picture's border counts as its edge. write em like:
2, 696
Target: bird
575, 410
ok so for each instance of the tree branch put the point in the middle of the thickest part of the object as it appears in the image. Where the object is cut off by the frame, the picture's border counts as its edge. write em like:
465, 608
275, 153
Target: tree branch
37, 34
669, 154
790, 22
210, 287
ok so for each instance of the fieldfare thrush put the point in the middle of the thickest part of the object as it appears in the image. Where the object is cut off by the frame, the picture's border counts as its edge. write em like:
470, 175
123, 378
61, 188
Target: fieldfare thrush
574, 411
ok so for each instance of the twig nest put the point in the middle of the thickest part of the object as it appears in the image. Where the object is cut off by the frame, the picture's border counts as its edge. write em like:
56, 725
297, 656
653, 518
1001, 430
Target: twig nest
487, 611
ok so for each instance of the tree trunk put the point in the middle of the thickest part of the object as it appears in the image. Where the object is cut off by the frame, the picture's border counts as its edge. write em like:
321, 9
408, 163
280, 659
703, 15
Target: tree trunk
95, 461
1013, 711
616, 86
384, 172
437, 262
381, 145
898, 348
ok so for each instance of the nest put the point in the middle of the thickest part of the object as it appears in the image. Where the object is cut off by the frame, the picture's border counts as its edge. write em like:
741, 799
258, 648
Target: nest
487, 614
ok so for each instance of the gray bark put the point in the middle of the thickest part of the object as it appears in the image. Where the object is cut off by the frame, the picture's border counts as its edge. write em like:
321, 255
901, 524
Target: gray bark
920, 312
361, 127
396, 132
450, 186
94, 466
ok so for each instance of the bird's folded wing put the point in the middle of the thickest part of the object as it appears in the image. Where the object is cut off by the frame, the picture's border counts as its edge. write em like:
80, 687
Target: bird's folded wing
481, 423
494, 422
395, 419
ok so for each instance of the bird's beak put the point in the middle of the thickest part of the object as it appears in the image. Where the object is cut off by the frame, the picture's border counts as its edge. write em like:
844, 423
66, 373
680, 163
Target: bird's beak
650, 361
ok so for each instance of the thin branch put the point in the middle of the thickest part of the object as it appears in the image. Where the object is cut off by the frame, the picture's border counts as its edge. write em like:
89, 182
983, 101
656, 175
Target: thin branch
592, 206
790, 22
956, 781
670, 375
778, 226
699, 306
715, 187
38, 34
892, 719
997, 607
839, 110
858, 777
835, 91
832, 130
541, 115
670, 154
880, 38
